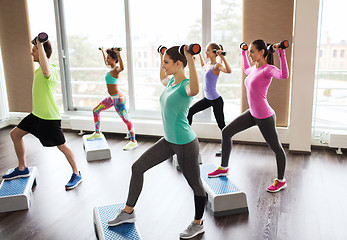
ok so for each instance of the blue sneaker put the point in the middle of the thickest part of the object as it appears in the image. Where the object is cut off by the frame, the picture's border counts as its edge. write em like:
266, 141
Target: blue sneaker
74, 181
16, 173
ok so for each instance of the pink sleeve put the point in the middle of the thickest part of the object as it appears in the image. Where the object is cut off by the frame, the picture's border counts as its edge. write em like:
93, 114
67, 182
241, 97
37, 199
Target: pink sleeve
246, 66
279, 73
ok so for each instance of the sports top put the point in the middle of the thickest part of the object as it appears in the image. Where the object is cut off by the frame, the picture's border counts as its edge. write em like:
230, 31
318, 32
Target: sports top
258, 81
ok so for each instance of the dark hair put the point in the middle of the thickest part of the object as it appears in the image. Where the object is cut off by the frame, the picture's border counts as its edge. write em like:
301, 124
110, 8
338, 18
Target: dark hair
260, 44
47, 46
112, 54
174, 54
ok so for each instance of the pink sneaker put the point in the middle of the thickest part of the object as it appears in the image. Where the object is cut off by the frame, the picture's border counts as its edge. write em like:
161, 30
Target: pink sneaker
277, 186
219, 172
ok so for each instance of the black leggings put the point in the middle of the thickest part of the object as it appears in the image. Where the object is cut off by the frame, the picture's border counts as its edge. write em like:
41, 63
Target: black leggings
187, 157
267, 127
203, 104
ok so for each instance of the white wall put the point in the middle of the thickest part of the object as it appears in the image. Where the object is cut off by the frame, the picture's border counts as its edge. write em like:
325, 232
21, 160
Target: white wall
303, 74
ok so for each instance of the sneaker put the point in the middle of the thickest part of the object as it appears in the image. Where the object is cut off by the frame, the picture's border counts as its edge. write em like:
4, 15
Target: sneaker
219, 153
130, 145
277, 186
94, 136
16, 173
122, 217
192, 230
219, 172
74, 181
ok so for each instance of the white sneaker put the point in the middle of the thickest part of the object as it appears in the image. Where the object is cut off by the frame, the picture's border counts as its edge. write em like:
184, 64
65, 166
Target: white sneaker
130, 145
94, 136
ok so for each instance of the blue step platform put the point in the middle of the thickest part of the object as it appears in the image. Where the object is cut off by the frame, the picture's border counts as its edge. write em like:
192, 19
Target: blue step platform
224, 197
126, 231
96, 149
16, 194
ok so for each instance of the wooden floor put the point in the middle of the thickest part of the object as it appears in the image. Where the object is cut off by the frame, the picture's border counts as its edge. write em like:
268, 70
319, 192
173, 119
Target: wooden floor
314, 205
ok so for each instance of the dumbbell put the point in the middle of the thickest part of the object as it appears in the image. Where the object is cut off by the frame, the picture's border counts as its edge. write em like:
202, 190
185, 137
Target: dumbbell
161, 49
41, 37
215, 52
283, 44
244, 46
115, 48
193, 49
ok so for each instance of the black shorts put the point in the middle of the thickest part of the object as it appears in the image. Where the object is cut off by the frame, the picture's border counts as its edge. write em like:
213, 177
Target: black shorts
47, 131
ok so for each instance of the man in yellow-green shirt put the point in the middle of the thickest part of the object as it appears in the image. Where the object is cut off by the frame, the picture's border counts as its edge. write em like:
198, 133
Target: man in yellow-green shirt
45, 120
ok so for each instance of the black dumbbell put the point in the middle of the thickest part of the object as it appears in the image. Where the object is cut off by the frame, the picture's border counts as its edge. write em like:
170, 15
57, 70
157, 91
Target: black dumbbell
215, 52
161, 49
41, 37
244, 46
193, 49
114, 49
283, 44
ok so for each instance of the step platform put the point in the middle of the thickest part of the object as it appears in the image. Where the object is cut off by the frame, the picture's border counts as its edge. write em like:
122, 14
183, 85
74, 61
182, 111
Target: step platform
16, 194
96, 149
224, 197
175, 161
124, 231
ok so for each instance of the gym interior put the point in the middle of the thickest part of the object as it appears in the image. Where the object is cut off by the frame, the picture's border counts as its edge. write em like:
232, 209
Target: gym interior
310, 107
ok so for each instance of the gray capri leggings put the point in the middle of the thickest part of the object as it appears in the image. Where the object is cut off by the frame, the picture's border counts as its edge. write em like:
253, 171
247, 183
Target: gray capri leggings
187, 156
267, 127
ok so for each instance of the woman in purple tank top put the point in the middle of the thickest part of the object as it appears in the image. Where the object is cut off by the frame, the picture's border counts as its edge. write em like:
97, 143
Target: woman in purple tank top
210, 73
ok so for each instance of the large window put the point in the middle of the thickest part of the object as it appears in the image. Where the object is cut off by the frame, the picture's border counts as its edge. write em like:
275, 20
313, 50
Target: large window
44, 21
90, 25
330, 105
139, 27
227, 31
153, 27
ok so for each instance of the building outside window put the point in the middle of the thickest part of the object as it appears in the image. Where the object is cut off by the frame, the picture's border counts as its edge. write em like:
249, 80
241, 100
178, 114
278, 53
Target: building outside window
330, 101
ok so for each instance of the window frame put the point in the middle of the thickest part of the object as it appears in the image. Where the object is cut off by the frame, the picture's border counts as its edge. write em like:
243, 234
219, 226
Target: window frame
63, 53
317, 128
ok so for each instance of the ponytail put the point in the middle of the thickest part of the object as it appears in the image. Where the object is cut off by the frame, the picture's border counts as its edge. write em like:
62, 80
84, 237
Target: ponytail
221, 48
268, 55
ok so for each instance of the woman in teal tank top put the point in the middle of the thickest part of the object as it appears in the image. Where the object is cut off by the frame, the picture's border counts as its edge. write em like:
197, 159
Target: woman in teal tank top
116, 99
178, 139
